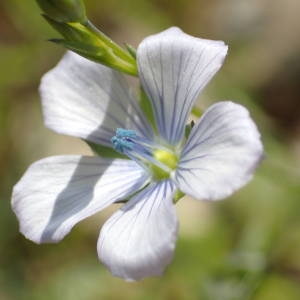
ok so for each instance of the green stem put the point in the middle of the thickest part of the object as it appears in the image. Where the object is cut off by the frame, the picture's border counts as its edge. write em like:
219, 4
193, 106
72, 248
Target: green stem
124, 58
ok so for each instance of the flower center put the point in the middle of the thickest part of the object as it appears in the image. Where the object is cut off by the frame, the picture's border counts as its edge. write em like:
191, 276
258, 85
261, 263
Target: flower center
159, 160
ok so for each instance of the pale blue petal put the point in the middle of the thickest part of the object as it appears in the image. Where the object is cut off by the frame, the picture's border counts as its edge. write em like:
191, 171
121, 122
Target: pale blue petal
174, 68
139, 240
57, 192
88, 100
221, 153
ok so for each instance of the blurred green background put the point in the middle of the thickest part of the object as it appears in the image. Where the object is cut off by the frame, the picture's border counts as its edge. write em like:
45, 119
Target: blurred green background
247, 247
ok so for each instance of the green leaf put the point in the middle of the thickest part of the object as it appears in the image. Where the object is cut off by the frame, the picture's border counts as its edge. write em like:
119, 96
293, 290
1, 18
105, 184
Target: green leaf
97, 54
91, 43
131, 50
67, 31
76, 32
91, 52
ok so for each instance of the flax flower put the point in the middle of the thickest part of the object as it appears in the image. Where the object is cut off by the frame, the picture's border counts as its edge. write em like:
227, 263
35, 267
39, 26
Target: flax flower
92, 102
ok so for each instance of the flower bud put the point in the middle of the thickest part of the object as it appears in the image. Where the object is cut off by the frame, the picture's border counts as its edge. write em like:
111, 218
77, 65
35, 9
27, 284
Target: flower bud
64, 10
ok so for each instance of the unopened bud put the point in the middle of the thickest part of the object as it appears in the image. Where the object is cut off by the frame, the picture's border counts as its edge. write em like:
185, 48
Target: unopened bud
64, 10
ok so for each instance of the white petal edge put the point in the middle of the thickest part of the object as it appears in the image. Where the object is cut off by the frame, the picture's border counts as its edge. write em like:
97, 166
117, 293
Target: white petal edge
138, 241
221, 153
174, 67
88, 100
57, 192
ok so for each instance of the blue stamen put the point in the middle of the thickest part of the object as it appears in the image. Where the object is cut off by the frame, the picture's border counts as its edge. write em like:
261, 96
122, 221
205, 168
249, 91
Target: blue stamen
137, 148
125, 133
123, 140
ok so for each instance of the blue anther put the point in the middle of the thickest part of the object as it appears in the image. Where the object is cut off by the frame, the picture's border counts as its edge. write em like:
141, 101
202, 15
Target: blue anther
123, 140
125, 133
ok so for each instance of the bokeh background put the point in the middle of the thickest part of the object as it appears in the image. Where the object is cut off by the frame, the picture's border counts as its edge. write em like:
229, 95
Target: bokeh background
246, 247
